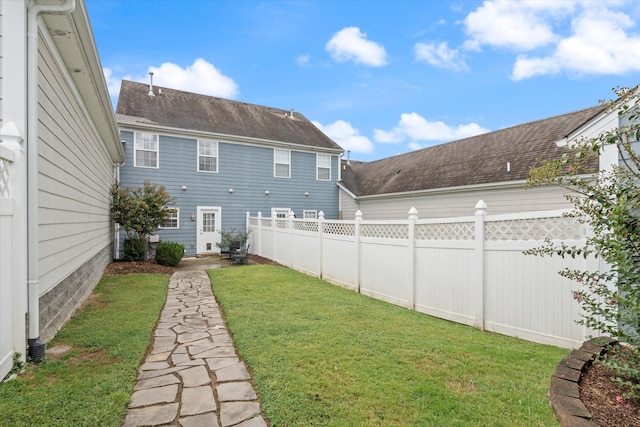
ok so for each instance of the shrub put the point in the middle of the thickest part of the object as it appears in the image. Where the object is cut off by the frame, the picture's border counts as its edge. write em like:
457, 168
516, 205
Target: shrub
140, 212
609, 204
135, 249
169, 253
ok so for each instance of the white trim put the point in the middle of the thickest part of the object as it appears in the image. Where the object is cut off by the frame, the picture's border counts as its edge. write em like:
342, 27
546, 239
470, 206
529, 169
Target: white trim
459, 189
313, 212
177, 218
276, 163
318, 167
276, 211
135, 149
222, 137
198, 155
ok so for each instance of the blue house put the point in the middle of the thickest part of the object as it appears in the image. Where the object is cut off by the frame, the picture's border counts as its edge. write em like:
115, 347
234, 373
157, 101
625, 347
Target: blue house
220, 159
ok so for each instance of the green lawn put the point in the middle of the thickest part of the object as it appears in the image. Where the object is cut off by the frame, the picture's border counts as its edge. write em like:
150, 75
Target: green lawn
323, 355
90, 385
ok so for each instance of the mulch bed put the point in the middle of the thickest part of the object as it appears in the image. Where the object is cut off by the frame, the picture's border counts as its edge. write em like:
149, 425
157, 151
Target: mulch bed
126, 267
602, 397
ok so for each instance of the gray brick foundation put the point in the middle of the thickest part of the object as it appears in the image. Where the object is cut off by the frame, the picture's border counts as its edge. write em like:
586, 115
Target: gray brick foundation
57, 305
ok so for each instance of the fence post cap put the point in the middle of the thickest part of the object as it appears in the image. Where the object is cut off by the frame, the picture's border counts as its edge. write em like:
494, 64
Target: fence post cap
413, 213
321, 215
259, 214
481, 205
358, 214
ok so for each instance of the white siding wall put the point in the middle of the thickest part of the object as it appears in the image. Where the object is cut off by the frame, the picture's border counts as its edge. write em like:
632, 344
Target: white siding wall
74, 179
501, 201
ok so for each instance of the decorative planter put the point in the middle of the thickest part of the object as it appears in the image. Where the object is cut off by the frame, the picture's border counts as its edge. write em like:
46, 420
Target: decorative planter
564, 391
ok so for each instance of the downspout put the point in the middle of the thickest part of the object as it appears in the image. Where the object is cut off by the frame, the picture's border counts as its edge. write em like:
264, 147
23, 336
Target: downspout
36, 345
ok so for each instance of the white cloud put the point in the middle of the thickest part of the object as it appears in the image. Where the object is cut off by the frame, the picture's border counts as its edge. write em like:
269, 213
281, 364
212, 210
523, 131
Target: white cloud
439, 55
598, 45
346, 136
416, 146
200, 77
303, 60
113, 82
414, 126
350, 44
577, 37
514, 25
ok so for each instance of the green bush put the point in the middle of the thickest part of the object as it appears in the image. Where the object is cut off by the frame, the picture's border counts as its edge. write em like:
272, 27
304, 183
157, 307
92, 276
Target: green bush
169, 253
135, 249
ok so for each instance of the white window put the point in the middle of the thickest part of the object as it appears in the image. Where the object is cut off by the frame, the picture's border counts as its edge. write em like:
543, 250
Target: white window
281, 163
207, 156
145, 147
309, 214
174, 219
323, 164
280, 213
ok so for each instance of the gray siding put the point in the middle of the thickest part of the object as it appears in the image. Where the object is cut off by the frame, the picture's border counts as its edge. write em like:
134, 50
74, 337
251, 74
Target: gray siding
247, 169
75, 174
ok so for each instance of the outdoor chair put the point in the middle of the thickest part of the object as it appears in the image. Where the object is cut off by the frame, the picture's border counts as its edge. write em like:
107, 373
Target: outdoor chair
234, 247
240, 257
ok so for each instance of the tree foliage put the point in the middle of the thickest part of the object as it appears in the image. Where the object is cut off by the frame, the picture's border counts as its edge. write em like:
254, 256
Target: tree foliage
608, 202
140, 212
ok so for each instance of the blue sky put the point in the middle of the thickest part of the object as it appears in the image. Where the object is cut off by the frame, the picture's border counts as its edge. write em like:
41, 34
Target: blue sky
379, 77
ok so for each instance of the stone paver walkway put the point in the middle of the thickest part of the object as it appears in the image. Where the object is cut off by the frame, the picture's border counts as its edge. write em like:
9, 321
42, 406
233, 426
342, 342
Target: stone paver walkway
193, 376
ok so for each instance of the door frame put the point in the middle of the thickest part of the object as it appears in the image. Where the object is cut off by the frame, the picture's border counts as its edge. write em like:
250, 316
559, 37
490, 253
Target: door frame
199, 240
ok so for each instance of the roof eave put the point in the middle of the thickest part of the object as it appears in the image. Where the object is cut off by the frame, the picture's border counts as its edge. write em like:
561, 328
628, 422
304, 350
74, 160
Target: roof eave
224, 137
74, 41
446, 190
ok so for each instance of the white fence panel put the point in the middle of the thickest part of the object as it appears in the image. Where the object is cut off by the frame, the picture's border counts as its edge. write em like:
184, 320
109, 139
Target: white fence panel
444, 282
282, 245
384, 270
306, 248
266, 239
527, 298
340, 261
6, 269
470, 270
340, 253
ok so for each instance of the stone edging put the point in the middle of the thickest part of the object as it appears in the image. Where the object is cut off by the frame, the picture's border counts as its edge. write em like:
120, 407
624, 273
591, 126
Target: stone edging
564, 391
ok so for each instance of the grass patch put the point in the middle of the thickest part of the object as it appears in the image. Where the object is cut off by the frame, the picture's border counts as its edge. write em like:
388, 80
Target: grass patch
91, 384
323, 355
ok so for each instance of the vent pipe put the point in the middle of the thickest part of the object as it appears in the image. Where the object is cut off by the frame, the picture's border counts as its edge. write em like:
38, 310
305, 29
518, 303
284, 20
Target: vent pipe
151, 84
349, 157
508, 167
291, 114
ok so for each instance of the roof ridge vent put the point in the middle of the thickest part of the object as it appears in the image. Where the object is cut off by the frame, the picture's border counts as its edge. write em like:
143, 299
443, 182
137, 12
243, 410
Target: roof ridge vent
151, 84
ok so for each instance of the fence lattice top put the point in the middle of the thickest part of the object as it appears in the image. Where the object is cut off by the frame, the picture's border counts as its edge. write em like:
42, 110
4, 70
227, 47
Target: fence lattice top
446, 231
4, 178
558, 228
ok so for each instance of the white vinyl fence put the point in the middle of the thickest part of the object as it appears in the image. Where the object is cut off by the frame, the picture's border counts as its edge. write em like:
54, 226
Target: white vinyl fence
470, 270
6, 250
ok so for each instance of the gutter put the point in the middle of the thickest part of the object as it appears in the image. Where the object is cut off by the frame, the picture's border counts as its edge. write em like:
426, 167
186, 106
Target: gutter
37, 347
445, 190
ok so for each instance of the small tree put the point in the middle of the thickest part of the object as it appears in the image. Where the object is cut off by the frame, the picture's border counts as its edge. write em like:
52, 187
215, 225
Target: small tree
140, 212
609, 203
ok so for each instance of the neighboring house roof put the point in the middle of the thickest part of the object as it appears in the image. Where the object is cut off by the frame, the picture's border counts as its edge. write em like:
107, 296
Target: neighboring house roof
191, 111
481, 159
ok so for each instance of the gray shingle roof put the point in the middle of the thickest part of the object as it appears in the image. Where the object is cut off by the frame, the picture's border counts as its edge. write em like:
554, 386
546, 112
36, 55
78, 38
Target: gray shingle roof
192, 111
477, 160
